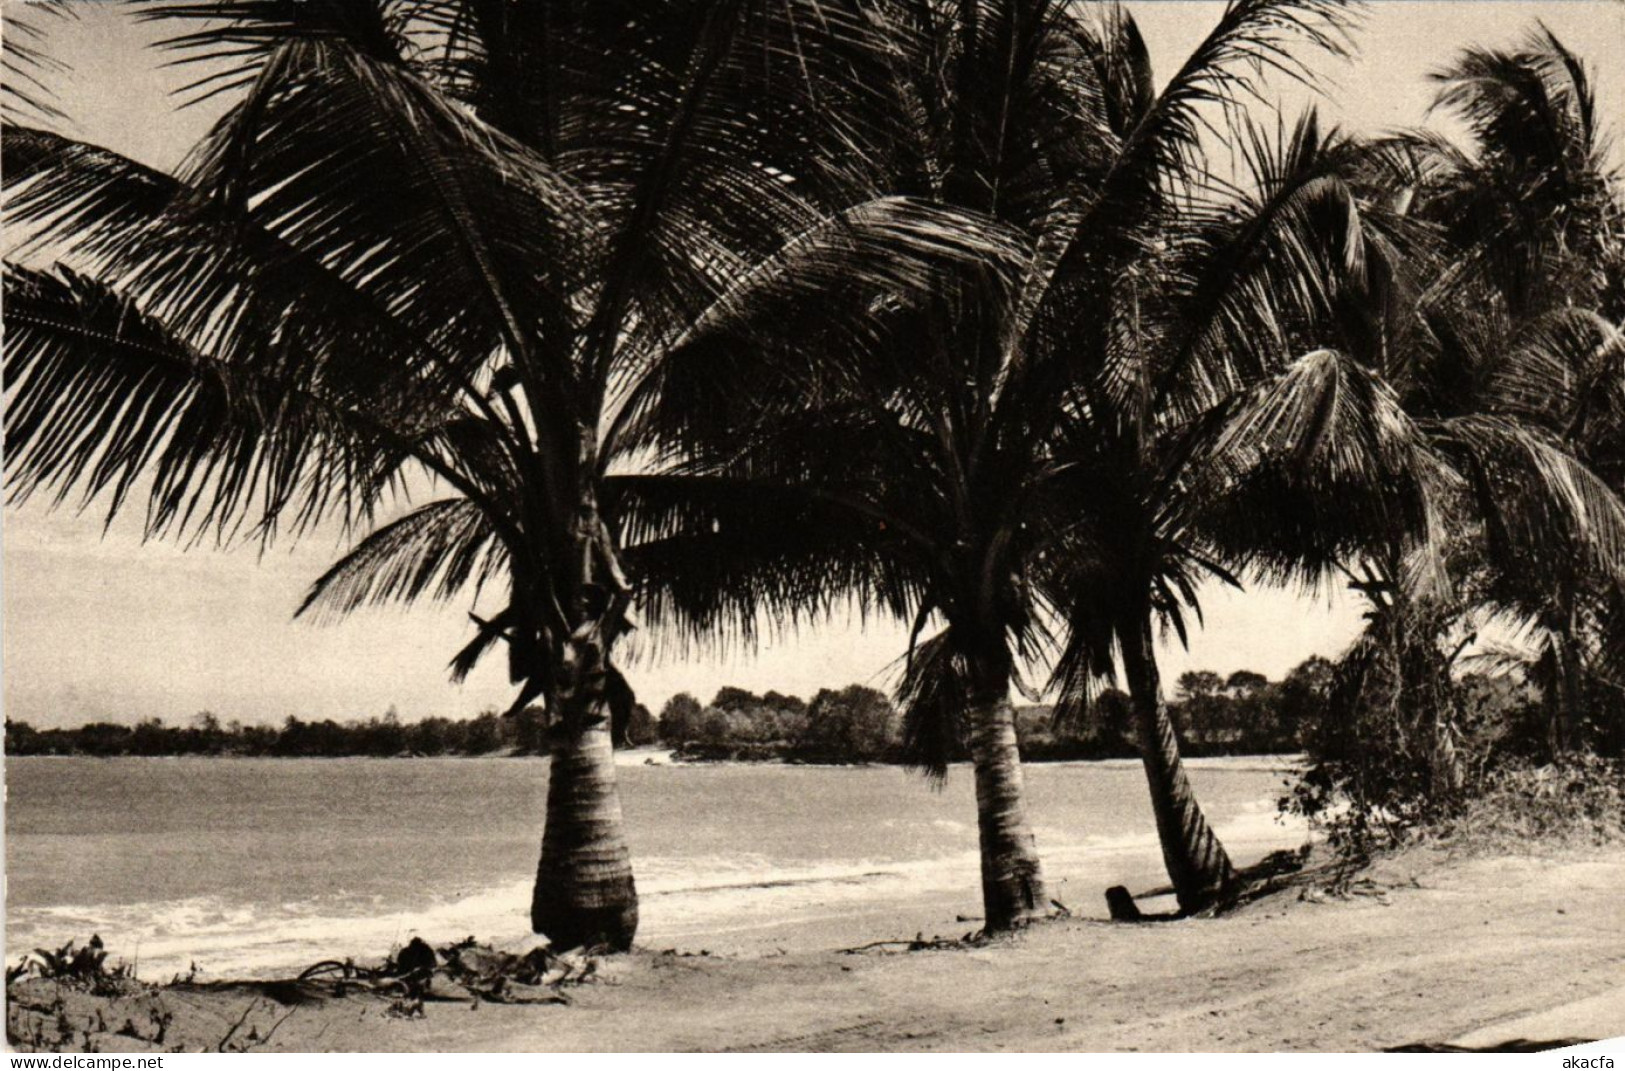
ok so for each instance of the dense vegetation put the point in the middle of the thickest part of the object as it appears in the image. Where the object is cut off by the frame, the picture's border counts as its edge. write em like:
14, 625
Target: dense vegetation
701, 313
383, 737
1243, 714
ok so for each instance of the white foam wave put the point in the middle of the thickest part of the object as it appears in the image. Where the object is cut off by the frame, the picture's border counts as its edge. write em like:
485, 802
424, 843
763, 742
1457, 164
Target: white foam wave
681, 899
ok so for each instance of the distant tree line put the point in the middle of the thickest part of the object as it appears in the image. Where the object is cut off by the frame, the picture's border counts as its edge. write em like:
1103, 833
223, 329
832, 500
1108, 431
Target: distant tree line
381, 737
1244, 713
852, 725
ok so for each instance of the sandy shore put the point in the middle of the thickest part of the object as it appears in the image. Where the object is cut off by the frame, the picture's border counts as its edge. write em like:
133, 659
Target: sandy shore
1432, 950
659, 756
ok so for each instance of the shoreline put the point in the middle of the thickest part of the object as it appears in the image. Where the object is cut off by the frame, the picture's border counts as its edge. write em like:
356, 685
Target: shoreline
1265, 762
803, 889
765, 915
1433, 948
757, 913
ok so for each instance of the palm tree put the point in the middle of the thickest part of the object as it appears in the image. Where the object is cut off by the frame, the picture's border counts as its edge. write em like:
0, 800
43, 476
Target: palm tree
1550, 248
1216, 447
430, 244
1516, 359
1531, 209
1009, 445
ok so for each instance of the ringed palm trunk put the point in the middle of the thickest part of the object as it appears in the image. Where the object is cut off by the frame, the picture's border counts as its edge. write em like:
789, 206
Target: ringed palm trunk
1013, 891
584, 894
1197, 863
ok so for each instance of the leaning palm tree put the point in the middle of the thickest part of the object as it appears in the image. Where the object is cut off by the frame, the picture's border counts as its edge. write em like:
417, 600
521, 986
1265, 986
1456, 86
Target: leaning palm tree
428, 245
986, 444
1225, 438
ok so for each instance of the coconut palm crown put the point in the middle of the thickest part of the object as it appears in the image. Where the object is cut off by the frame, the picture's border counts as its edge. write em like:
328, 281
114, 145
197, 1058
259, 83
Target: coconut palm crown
1512, 363
429, 244
1014, 446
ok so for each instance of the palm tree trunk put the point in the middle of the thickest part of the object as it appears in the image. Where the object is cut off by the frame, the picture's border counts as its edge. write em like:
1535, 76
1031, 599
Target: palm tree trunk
584, 894
1444, 762
1567, 686
1425, 687
1013, 892
1197, 863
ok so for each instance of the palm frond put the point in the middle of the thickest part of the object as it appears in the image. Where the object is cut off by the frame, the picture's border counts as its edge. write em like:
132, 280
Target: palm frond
1536, 211
338, 136
934, 696
101, 394
1310, 469
818, 308
1162, 153
1087, 660
1564, 372
1545, 508
487, 635
1536, 102
1250, 278
713, 556
1122, 67
234, 40
436, 551
1502, 660
203, 266
255, 305
26, 61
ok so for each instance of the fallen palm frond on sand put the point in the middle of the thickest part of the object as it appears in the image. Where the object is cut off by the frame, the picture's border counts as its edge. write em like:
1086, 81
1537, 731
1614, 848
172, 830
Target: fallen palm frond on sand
70, 998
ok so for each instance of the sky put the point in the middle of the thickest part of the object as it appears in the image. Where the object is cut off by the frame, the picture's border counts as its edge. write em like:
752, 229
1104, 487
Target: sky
98, 625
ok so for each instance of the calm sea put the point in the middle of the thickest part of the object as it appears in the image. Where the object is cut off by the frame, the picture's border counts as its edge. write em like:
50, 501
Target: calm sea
250, 866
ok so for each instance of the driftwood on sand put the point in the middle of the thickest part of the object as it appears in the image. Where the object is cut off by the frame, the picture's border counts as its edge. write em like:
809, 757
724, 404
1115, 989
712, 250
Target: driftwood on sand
69, 998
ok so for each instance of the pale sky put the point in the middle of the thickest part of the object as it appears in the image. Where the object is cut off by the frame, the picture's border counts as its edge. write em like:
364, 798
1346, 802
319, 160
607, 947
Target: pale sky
104, 627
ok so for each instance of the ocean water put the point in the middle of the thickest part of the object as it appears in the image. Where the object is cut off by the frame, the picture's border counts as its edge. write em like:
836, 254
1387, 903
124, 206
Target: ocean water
255, 866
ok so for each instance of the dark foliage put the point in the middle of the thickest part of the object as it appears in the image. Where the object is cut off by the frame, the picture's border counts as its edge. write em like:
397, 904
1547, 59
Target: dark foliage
1390, 760
385, 737
1248, 714
853, 725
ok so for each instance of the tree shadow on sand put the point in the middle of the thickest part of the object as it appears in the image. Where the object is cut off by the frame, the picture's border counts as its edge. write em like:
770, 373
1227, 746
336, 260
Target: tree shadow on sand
1515, 1045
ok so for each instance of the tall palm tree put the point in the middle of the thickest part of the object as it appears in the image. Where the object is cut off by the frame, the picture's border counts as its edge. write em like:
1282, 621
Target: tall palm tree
1516, 365
1007, 445
429, 243
1549, 247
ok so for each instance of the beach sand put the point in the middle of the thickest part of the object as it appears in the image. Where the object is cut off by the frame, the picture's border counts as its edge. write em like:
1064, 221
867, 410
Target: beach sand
1434, 950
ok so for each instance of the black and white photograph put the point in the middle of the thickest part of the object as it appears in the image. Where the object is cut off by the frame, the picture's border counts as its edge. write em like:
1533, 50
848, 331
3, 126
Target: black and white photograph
813, 526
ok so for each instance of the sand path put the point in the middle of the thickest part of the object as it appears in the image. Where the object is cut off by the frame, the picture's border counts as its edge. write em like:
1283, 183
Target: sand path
1477, 952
